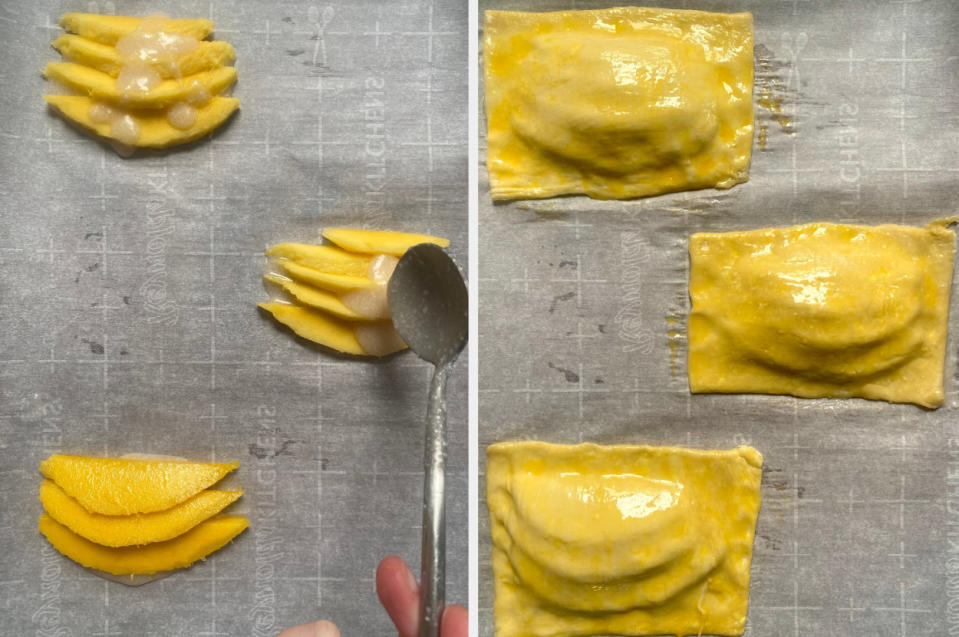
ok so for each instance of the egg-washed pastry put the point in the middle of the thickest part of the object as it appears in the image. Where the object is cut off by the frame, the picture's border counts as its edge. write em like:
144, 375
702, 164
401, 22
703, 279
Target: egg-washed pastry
621, 540
335, 295
136, 515
822, 310
617, 103
142, 82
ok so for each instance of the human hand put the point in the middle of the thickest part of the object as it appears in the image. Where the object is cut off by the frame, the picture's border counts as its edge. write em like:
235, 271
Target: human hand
400, 595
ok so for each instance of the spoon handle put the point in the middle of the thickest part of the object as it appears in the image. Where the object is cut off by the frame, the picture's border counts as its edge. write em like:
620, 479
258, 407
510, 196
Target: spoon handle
433, 567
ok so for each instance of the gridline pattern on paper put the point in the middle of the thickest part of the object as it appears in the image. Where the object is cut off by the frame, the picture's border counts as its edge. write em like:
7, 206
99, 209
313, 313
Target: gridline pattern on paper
129, 318
583, 308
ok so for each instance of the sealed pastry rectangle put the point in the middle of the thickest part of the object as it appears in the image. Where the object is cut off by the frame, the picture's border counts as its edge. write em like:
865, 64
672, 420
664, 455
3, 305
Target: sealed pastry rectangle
822, 310
621, 540
617, 103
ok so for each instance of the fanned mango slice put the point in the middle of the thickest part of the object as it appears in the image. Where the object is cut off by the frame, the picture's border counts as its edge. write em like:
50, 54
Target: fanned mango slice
129, 530
370, 338
117, 486
155, 129
332, 282
104, 58
179, 552
318, 327
314, 297
379, 241
103, 87
327, 258
107, 29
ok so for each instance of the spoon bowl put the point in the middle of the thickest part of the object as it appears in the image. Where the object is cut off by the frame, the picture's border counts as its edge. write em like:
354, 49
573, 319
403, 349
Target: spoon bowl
428, 302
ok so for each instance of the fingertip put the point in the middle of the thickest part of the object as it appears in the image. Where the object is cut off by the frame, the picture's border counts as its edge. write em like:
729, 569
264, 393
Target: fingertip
325, 628
397, 590
321, 628
455, 622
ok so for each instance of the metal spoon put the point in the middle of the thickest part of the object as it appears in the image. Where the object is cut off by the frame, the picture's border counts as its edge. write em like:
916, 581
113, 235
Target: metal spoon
428, 302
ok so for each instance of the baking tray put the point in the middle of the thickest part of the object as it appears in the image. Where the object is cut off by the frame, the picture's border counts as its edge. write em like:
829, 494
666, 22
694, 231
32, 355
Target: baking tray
129, 320
583, 307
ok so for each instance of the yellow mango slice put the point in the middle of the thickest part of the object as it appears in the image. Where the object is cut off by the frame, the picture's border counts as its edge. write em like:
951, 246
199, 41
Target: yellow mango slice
104, 58
102, 87
368, 338
155, 130
332, 282
179, 552
314, 297
327, 258
379, 241
139, 529
107, 29
118, 486
318, 327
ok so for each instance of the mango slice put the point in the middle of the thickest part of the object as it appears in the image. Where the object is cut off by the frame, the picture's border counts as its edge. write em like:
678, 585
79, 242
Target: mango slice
129, 530
317, 327
107, 29
116, 486
179, 552
104, 58
155, 129
368, 338
101, 86
325, 280
314, 297
340, 291
327, 258
379, 241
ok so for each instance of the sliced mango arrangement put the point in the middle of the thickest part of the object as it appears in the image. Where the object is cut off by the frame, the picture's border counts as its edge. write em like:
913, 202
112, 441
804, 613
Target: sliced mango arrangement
142, 82
335, 295
129, 516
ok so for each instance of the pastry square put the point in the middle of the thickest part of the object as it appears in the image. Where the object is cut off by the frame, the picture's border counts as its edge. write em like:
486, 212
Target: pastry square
822, 310
617, 103
621, 540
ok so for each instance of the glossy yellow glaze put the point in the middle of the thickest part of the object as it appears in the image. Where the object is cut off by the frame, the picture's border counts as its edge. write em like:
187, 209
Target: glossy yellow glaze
155, 130
107, 29
104, 58
102, 87
621, 540
118, 486
822, 310
137, 529
617, 103
379, 241
179, 552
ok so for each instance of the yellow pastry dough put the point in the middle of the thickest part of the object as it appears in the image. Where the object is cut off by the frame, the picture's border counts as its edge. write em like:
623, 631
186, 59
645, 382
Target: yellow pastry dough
621, 540
617, 103
822, 310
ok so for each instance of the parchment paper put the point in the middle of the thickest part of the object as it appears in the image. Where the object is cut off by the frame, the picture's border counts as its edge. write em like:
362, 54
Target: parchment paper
583, 307
129, 323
